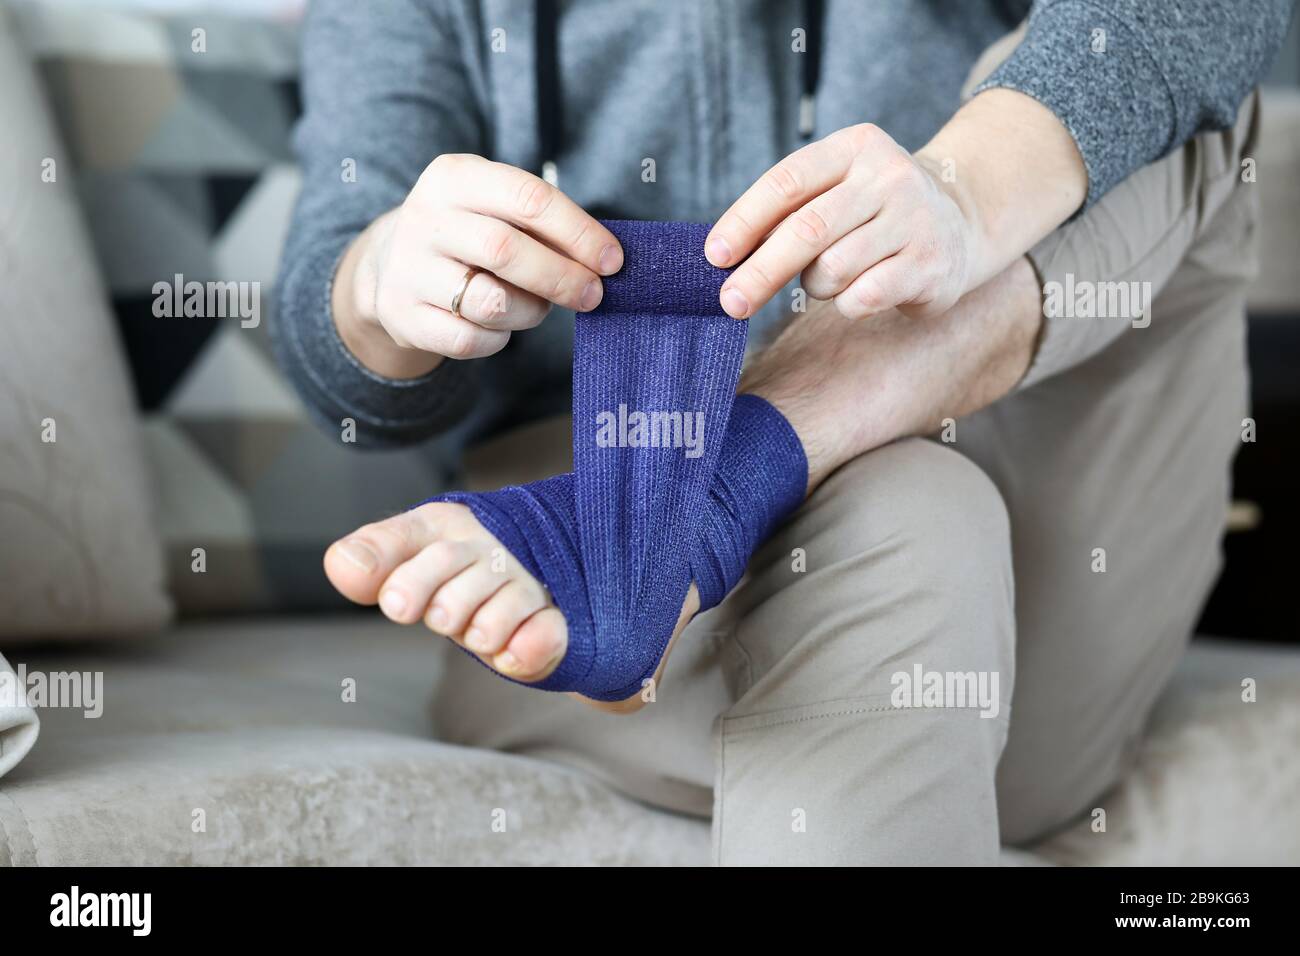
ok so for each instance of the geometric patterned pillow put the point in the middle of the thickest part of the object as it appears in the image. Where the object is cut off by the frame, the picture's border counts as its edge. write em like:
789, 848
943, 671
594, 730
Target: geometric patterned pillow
181, 143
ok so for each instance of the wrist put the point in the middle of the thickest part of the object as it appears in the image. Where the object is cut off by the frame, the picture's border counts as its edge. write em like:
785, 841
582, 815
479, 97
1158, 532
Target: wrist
804, 374
353, 303
1013, 169
965, 196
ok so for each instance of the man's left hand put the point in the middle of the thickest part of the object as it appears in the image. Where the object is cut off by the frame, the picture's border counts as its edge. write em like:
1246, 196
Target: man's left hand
867, 224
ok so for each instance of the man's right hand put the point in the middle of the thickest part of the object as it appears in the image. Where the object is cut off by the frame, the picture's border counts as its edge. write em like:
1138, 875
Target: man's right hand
529, 246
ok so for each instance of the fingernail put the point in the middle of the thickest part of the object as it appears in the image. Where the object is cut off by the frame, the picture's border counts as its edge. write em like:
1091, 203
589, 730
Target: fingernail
359, 554
717, 251
476, 640
611, 260
591, 296
438, 618
392, 603
734, 303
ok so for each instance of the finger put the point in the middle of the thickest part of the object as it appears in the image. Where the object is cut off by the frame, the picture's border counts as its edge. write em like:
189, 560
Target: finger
513, 310
518, 258
791, 183
890, 283
799, 240
487, 301
835, 269
517, 196
431, 329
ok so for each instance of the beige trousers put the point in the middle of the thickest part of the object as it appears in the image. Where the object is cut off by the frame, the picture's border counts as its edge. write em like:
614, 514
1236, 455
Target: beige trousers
1057, 549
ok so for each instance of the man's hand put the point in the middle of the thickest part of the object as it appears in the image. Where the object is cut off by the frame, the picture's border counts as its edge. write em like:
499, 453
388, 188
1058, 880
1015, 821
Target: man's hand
873, 227
866, 223
525, 243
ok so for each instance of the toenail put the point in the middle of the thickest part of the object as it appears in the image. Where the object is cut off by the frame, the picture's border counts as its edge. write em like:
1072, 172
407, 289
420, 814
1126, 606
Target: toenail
506, 661
393, 604
359, 554
438, 619
476, 640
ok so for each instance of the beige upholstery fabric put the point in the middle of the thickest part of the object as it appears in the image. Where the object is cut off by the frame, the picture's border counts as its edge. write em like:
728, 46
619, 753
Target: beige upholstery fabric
1213, 784
246, 723
18, 722
1277, 288
79, 554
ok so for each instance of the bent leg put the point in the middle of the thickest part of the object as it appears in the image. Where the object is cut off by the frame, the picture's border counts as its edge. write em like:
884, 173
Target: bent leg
901, 560
1115, 472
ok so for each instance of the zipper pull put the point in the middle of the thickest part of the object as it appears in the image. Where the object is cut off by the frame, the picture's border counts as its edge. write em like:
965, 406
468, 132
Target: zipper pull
807, 114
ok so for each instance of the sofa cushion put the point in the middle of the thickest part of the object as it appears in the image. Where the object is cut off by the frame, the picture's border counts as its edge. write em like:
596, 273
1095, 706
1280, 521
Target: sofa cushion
1216, 780
233, 743
79, 552
19, 724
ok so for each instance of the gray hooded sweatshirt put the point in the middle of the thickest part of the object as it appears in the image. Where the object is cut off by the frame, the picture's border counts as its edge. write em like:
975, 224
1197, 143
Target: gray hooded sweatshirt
704, 96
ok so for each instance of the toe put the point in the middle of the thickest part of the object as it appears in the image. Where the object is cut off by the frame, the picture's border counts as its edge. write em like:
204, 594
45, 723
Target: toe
460, 598
502, 613
359, 564
536, 647
408, 590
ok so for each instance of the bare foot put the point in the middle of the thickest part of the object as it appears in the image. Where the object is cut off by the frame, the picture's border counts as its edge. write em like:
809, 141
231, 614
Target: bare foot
438, 565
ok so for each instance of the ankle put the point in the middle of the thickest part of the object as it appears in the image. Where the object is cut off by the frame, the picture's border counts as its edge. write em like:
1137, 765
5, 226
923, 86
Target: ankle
832, 390
820, 445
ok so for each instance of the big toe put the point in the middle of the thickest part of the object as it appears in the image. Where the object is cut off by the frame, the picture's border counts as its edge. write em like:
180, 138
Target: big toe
358, 564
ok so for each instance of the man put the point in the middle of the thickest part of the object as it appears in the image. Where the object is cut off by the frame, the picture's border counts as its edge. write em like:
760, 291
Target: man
1066, 535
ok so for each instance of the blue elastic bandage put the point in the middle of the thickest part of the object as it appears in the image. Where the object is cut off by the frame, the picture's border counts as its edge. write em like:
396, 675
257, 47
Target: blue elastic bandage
675, 480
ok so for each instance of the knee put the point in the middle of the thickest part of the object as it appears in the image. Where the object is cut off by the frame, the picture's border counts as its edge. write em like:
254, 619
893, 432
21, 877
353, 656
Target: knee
919, 496
903, 555
1041, 789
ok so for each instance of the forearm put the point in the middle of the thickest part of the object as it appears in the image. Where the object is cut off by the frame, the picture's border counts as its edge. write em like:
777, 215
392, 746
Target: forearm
335, 385
1133, 80
382, 96
353, 305
1093, 92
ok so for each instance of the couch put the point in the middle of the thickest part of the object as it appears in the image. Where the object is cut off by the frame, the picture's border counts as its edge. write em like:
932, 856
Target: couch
163, 510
